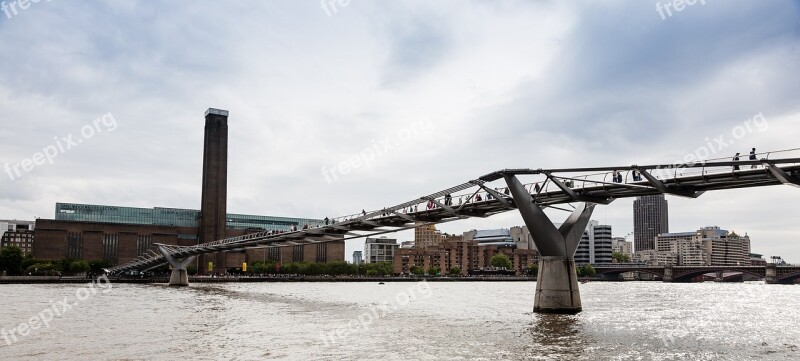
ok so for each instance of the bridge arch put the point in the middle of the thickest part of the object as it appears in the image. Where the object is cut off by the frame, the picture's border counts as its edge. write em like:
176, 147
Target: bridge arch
789, 276
698, 272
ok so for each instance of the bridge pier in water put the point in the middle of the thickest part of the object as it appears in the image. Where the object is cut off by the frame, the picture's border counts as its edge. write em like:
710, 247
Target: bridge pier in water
557, 282
180, 273
771, 274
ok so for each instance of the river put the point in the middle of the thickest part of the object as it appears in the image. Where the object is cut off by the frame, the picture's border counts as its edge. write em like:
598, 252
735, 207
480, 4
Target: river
397, 321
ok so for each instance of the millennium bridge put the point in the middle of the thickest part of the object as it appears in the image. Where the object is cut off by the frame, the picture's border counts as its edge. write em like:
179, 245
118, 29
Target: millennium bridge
579, 189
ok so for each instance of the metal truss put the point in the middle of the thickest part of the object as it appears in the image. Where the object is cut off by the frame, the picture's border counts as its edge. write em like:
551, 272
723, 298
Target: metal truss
478, 198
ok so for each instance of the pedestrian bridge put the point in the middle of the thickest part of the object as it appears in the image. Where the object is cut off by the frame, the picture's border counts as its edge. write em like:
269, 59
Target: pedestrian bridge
502, 191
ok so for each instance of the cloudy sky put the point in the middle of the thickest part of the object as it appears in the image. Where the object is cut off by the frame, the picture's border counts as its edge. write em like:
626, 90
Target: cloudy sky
457, 88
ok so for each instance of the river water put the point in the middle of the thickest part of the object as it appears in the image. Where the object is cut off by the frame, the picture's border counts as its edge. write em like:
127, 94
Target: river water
398, 321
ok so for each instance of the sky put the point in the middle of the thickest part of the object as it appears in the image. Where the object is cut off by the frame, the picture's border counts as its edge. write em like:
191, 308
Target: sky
440, 92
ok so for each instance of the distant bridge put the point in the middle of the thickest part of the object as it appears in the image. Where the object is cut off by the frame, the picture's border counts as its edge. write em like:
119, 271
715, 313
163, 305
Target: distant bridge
557, 289
771, 273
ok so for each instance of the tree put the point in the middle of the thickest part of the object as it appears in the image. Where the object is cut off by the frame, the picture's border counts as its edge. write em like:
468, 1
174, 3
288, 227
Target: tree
589, 271
501, 261
79, 267
372, 273
533, 270
455, 271
434, 271
11, 260
417, 270
586, 271
621, 257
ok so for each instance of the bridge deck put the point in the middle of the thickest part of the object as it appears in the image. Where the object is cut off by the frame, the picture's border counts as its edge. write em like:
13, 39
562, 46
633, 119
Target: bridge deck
558, 186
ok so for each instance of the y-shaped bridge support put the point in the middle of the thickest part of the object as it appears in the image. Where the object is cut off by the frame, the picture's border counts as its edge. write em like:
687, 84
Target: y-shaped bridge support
180, 275
557, 282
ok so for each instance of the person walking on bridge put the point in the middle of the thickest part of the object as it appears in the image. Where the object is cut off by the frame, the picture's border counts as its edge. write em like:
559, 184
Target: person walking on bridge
736, 159
753, 157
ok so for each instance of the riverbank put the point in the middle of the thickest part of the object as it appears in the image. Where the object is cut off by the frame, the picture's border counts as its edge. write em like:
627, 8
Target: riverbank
78, 280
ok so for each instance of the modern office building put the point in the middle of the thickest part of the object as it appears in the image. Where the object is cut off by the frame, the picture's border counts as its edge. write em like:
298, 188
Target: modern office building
515, 237
650, 218
121, 234
380, 249
358, 258
595, 246
17, 233
491, 237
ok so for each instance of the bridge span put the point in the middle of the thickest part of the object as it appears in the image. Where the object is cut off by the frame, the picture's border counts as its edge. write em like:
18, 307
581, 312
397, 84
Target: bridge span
771, 273
557, 287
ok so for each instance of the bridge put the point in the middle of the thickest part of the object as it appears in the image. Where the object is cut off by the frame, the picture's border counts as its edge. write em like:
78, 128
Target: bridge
557, 286
771, 273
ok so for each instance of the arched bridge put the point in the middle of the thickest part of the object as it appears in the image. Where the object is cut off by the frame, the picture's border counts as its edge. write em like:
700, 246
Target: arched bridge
771, 273
482, 197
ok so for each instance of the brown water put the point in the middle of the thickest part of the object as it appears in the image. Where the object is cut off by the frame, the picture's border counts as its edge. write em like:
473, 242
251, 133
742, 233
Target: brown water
400, 321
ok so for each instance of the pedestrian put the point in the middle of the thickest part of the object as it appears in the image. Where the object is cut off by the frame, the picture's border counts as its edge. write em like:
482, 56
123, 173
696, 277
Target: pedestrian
448, 199
736, 159
364, 213
615, 176
478, 198
506, 192
537, 188
753, 157
635, 175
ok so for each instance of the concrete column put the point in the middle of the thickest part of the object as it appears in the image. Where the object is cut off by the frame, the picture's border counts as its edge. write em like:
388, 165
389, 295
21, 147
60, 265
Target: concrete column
180, 275
771, 274
557, 282
667, 273
557, 287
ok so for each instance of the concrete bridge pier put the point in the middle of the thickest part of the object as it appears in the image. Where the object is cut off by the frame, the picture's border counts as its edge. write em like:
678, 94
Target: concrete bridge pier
557, 283
180, 275
771, 274
667, 274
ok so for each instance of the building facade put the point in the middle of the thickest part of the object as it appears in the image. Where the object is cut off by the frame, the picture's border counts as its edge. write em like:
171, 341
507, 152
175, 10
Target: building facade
466, 255
380, 249
121, 234
358, 257
427, 236
622, 246
17, 233
650, 218
708, 246
595, 246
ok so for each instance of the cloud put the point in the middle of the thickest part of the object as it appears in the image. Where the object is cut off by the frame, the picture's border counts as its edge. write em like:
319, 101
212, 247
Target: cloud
511, 84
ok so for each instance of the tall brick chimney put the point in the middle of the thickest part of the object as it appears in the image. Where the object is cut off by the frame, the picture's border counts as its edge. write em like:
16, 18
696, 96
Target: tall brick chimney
213, 206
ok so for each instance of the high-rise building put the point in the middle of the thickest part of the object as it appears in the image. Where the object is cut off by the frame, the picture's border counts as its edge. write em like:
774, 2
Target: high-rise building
650, 218
595, 245
380, 249
357, 257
